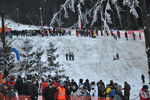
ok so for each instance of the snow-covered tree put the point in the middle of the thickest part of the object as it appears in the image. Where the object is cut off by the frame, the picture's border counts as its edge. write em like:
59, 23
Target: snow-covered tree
27, 56
100, 9
7, 59
37, 66
56, 71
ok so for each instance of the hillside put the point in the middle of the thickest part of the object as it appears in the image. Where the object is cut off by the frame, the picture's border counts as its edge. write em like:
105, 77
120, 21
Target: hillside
94, 58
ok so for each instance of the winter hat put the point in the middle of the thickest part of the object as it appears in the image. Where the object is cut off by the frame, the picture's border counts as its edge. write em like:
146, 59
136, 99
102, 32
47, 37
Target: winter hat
62, 83
12, 78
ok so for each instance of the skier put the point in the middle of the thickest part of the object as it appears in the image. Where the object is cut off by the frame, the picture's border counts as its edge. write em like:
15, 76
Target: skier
143, 78
67, 56
144, 93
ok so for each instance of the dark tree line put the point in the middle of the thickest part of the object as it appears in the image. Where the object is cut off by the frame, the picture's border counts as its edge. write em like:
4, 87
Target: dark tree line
29, 13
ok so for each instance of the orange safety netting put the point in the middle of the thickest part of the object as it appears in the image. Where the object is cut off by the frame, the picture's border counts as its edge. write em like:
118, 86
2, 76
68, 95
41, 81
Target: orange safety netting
6, 29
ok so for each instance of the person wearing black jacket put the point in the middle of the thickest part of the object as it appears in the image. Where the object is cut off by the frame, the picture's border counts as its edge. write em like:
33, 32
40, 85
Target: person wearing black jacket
33, 90
19, 86
49, 92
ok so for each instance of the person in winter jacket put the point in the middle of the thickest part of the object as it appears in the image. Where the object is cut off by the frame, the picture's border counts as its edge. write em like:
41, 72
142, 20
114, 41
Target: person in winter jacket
73, 83
126, 35
11, 82
140, 35
118, 34
27, 85
119, 95
74, 89
68, 89
127, 89
43, 85
134, 36
72, 55
110, 92
33, 90
61, 92
19, 86
144, 93
80, 82
49, 91
143, 78
101, 89
66, 56
87, 84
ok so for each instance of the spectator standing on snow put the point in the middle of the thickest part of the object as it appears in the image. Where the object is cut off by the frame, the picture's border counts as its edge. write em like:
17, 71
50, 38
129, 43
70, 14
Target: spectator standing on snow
134, 36
117, 56
67, 56
70, 56
127, 89
144, 93
143, 78
140, 35
118, 34
126, 35
115, 37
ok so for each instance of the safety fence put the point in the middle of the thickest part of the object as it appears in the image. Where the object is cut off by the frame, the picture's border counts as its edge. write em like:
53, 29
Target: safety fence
23, 97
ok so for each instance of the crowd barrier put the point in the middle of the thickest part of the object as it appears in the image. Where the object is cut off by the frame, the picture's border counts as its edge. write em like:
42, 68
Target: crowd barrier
23, 97
85, 98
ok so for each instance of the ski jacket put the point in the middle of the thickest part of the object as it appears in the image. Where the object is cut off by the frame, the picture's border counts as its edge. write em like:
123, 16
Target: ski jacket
144, 95
43, 85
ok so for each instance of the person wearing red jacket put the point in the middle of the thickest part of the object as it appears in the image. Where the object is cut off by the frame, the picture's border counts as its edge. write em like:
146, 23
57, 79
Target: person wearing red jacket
43, 85
144, 93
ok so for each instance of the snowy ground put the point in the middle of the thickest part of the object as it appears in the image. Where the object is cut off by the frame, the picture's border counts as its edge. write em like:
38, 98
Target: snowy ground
94, 58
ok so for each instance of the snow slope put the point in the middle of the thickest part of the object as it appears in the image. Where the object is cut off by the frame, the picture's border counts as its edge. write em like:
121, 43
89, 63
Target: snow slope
94, 58
15, 26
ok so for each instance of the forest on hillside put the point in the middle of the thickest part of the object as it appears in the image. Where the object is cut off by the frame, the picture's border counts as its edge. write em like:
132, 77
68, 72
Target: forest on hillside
29, 13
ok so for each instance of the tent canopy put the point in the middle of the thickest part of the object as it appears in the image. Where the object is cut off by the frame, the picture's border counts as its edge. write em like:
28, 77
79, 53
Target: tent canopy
6, 29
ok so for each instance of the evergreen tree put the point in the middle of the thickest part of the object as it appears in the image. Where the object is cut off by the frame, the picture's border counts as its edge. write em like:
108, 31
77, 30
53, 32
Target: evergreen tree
53, 66
27, 56
37, 66
7, 59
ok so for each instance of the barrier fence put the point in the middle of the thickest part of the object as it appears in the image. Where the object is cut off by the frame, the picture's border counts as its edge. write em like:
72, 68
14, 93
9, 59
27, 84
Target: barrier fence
23, 97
